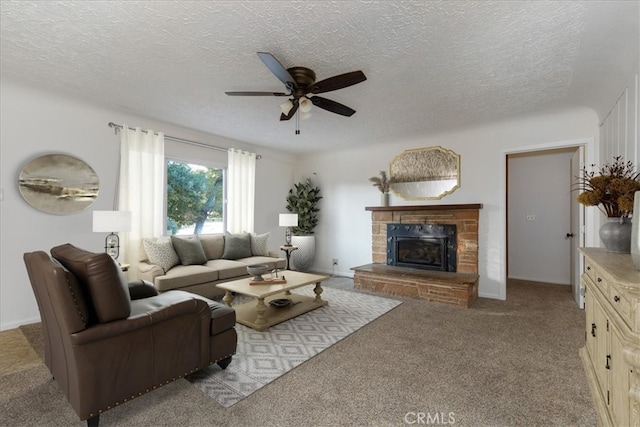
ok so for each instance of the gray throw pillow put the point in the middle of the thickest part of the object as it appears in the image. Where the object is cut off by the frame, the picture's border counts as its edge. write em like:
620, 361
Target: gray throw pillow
237, 246
189, 249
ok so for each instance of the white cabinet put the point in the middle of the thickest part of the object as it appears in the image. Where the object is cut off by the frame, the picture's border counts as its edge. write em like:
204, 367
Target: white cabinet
611, 355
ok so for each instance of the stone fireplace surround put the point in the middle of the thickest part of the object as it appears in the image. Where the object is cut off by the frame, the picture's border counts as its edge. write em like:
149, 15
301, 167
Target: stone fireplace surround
460, 288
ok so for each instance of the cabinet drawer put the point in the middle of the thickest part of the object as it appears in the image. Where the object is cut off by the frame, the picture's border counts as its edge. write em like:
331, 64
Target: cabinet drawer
590, 269
620, 304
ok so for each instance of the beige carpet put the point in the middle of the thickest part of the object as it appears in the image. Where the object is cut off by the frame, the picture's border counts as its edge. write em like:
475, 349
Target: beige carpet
16, 354
501, 363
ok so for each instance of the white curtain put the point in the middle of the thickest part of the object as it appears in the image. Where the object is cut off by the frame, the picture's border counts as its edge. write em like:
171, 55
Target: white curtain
141, 189
241, 177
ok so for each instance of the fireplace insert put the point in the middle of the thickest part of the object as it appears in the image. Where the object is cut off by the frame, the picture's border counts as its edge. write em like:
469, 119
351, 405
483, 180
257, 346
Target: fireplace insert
423, 246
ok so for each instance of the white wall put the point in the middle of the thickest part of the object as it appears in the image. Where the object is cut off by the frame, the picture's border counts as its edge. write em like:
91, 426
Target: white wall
540, 186
620, 130
344, 231
34, 123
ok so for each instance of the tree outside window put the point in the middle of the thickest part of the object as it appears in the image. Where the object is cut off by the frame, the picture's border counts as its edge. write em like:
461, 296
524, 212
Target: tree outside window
194, 198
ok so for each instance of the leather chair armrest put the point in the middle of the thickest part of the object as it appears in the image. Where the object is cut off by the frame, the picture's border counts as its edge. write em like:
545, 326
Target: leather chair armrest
160, 309
139, 289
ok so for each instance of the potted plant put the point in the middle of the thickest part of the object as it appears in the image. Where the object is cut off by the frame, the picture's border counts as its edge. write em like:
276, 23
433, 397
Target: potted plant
382, 183
303, 200
612, 189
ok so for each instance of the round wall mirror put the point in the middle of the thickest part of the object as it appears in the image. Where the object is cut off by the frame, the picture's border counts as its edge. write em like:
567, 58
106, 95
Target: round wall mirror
425, 173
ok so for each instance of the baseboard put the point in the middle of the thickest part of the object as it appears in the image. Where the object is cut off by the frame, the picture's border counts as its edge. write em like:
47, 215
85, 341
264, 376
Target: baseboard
13, 325
529, 279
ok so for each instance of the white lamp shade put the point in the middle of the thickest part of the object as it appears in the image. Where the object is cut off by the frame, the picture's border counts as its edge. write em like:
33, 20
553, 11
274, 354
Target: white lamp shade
286, 106
111, 221
288, 220
305, 105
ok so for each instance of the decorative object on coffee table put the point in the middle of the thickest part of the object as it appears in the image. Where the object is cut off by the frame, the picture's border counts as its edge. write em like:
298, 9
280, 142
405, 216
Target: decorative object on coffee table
257, 270
612, 189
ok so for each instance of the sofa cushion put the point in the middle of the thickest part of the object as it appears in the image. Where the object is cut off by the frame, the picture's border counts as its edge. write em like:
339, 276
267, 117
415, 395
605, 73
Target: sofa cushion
189, 249
213, 245
181, 276
228, 269
260, 244
104, 279
160, 252
237, 246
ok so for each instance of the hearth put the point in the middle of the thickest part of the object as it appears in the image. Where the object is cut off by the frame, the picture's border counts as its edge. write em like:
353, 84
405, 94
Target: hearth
422, 246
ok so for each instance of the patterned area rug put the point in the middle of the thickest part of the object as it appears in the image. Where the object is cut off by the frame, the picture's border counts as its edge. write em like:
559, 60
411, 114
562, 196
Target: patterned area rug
264, 356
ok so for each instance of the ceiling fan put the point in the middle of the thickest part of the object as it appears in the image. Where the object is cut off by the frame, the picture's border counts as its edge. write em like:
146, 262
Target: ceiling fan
300, 83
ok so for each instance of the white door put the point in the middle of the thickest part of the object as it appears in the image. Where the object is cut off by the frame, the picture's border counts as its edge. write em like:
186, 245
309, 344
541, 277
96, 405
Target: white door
577, 228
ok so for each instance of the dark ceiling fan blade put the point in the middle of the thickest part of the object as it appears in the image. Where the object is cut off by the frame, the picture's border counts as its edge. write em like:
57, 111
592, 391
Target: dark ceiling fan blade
257, 94
292, 112
338, 82
278, 70
333, 106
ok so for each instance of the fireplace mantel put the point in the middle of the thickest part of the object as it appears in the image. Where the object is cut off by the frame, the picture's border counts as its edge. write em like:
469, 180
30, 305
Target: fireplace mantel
423, 207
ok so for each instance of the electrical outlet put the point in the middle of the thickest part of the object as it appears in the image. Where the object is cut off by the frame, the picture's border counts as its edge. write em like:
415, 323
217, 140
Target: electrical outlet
334, 261
531, 217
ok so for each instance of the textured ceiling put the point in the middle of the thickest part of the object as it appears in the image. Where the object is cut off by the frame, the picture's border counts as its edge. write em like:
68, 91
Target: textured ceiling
431, 66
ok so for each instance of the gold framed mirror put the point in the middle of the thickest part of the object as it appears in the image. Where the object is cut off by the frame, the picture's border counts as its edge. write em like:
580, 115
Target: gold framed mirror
425, 173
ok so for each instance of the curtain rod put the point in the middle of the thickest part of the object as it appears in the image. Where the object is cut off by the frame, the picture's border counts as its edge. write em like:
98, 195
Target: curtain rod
118, 127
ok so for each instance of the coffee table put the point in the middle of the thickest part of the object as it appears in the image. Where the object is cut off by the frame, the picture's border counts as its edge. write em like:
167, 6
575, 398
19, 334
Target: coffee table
258, 314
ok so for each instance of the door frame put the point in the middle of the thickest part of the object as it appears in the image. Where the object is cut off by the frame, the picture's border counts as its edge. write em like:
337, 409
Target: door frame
590, 216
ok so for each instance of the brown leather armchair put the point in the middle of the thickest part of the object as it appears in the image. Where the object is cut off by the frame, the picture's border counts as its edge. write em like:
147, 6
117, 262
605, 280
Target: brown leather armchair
107, 341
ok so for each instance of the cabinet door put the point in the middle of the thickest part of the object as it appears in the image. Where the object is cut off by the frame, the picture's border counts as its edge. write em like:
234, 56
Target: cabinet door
601, 359
619, 384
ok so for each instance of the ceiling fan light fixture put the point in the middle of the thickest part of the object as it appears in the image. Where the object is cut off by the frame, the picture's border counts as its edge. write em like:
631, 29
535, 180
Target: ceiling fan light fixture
286, 106
305, 116
305, 104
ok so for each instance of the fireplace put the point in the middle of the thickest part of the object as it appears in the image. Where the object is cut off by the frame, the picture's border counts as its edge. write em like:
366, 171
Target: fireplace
423, 246
458, 246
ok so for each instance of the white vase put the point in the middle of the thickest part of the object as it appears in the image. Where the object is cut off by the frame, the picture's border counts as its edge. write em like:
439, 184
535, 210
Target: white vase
635, 231
384, 199
303, 257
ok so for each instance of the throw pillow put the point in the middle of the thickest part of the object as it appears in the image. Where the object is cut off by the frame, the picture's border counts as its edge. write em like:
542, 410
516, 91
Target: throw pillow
260, 244
189, 249
237, 246
160, 252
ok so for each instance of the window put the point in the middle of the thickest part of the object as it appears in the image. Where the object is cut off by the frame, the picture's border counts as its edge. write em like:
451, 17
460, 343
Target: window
195, 195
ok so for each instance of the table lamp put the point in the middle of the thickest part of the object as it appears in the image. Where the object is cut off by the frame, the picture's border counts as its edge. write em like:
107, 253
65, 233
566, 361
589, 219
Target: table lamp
288, 220
112, 222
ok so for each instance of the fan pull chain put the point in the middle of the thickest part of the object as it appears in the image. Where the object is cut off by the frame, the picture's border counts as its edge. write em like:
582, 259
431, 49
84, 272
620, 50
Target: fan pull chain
297, 123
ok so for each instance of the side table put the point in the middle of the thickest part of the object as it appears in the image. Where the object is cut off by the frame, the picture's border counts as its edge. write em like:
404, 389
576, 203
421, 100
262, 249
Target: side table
288, 249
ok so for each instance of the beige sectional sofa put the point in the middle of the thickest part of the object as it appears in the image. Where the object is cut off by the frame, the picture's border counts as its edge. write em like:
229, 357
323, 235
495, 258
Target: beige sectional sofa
197, 263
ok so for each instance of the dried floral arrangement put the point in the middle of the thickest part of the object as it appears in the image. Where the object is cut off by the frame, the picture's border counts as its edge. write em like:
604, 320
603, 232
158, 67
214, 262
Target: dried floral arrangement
612, 189
382, 182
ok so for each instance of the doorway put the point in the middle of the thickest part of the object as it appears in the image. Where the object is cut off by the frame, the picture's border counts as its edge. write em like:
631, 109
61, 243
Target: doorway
543, 228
